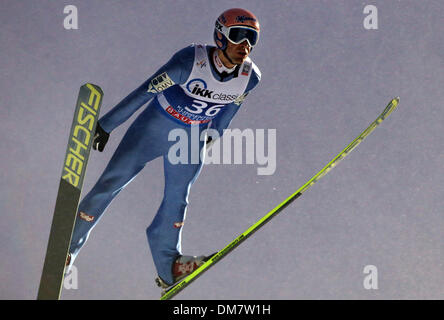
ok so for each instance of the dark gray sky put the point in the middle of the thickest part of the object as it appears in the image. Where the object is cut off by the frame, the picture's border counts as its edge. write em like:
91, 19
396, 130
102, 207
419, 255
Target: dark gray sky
324, 79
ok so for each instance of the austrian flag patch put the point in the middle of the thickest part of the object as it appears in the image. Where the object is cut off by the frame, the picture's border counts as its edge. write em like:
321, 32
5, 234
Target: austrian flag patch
178, 225
86, 217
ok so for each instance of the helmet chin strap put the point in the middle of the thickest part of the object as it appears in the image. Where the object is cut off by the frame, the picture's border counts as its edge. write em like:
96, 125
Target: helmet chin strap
227, 57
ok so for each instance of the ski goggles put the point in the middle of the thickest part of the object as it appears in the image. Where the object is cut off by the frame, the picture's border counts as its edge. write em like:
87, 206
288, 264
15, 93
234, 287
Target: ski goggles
238, 34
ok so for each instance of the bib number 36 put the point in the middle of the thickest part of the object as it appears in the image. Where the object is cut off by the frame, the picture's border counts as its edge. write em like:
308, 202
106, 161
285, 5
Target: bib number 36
199, 106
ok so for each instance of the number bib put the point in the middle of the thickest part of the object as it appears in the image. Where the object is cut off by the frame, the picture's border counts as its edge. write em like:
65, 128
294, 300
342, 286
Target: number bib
202, 97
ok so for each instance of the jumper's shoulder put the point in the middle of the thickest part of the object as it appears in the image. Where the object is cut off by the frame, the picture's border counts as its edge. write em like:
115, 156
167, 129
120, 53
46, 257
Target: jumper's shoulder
256, 73
185, 55
180, 65
255, 77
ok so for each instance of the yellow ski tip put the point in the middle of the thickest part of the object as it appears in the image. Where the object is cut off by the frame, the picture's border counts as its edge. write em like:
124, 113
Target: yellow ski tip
395, 101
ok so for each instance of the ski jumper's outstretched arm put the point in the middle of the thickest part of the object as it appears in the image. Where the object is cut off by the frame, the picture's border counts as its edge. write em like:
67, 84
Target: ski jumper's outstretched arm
177, 69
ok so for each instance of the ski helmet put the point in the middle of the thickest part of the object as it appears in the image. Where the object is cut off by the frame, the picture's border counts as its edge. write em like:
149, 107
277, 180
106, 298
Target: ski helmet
236, 25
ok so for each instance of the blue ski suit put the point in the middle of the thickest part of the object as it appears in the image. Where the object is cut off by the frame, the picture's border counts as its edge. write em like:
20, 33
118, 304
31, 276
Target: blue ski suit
188, 92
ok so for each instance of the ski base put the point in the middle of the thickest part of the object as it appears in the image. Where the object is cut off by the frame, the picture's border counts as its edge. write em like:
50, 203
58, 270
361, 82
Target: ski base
68, 196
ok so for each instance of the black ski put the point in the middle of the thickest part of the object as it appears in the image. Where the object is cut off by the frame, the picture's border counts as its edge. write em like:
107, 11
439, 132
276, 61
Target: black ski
74, 168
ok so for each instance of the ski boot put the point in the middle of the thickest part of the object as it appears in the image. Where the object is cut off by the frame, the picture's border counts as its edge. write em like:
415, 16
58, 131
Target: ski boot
183, 266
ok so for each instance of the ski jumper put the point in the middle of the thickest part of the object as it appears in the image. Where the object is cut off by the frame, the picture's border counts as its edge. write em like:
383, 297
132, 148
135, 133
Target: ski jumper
188, 92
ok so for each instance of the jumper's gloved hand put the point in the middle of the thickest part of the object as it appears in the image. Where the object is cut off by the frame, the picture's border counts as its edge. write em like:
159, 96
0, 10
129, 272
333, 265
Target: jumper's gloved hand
100, 138
209, 143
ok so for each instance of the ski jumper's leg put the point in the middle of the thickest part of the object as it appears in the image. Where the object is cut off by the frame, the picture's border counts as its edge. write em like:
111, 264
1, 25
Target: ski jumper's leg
164, 233
143, 142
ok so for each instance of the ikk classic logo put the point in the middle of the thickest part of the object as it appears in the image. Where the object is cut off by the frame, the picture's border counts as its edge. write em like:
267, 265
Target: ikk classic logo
198, 87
